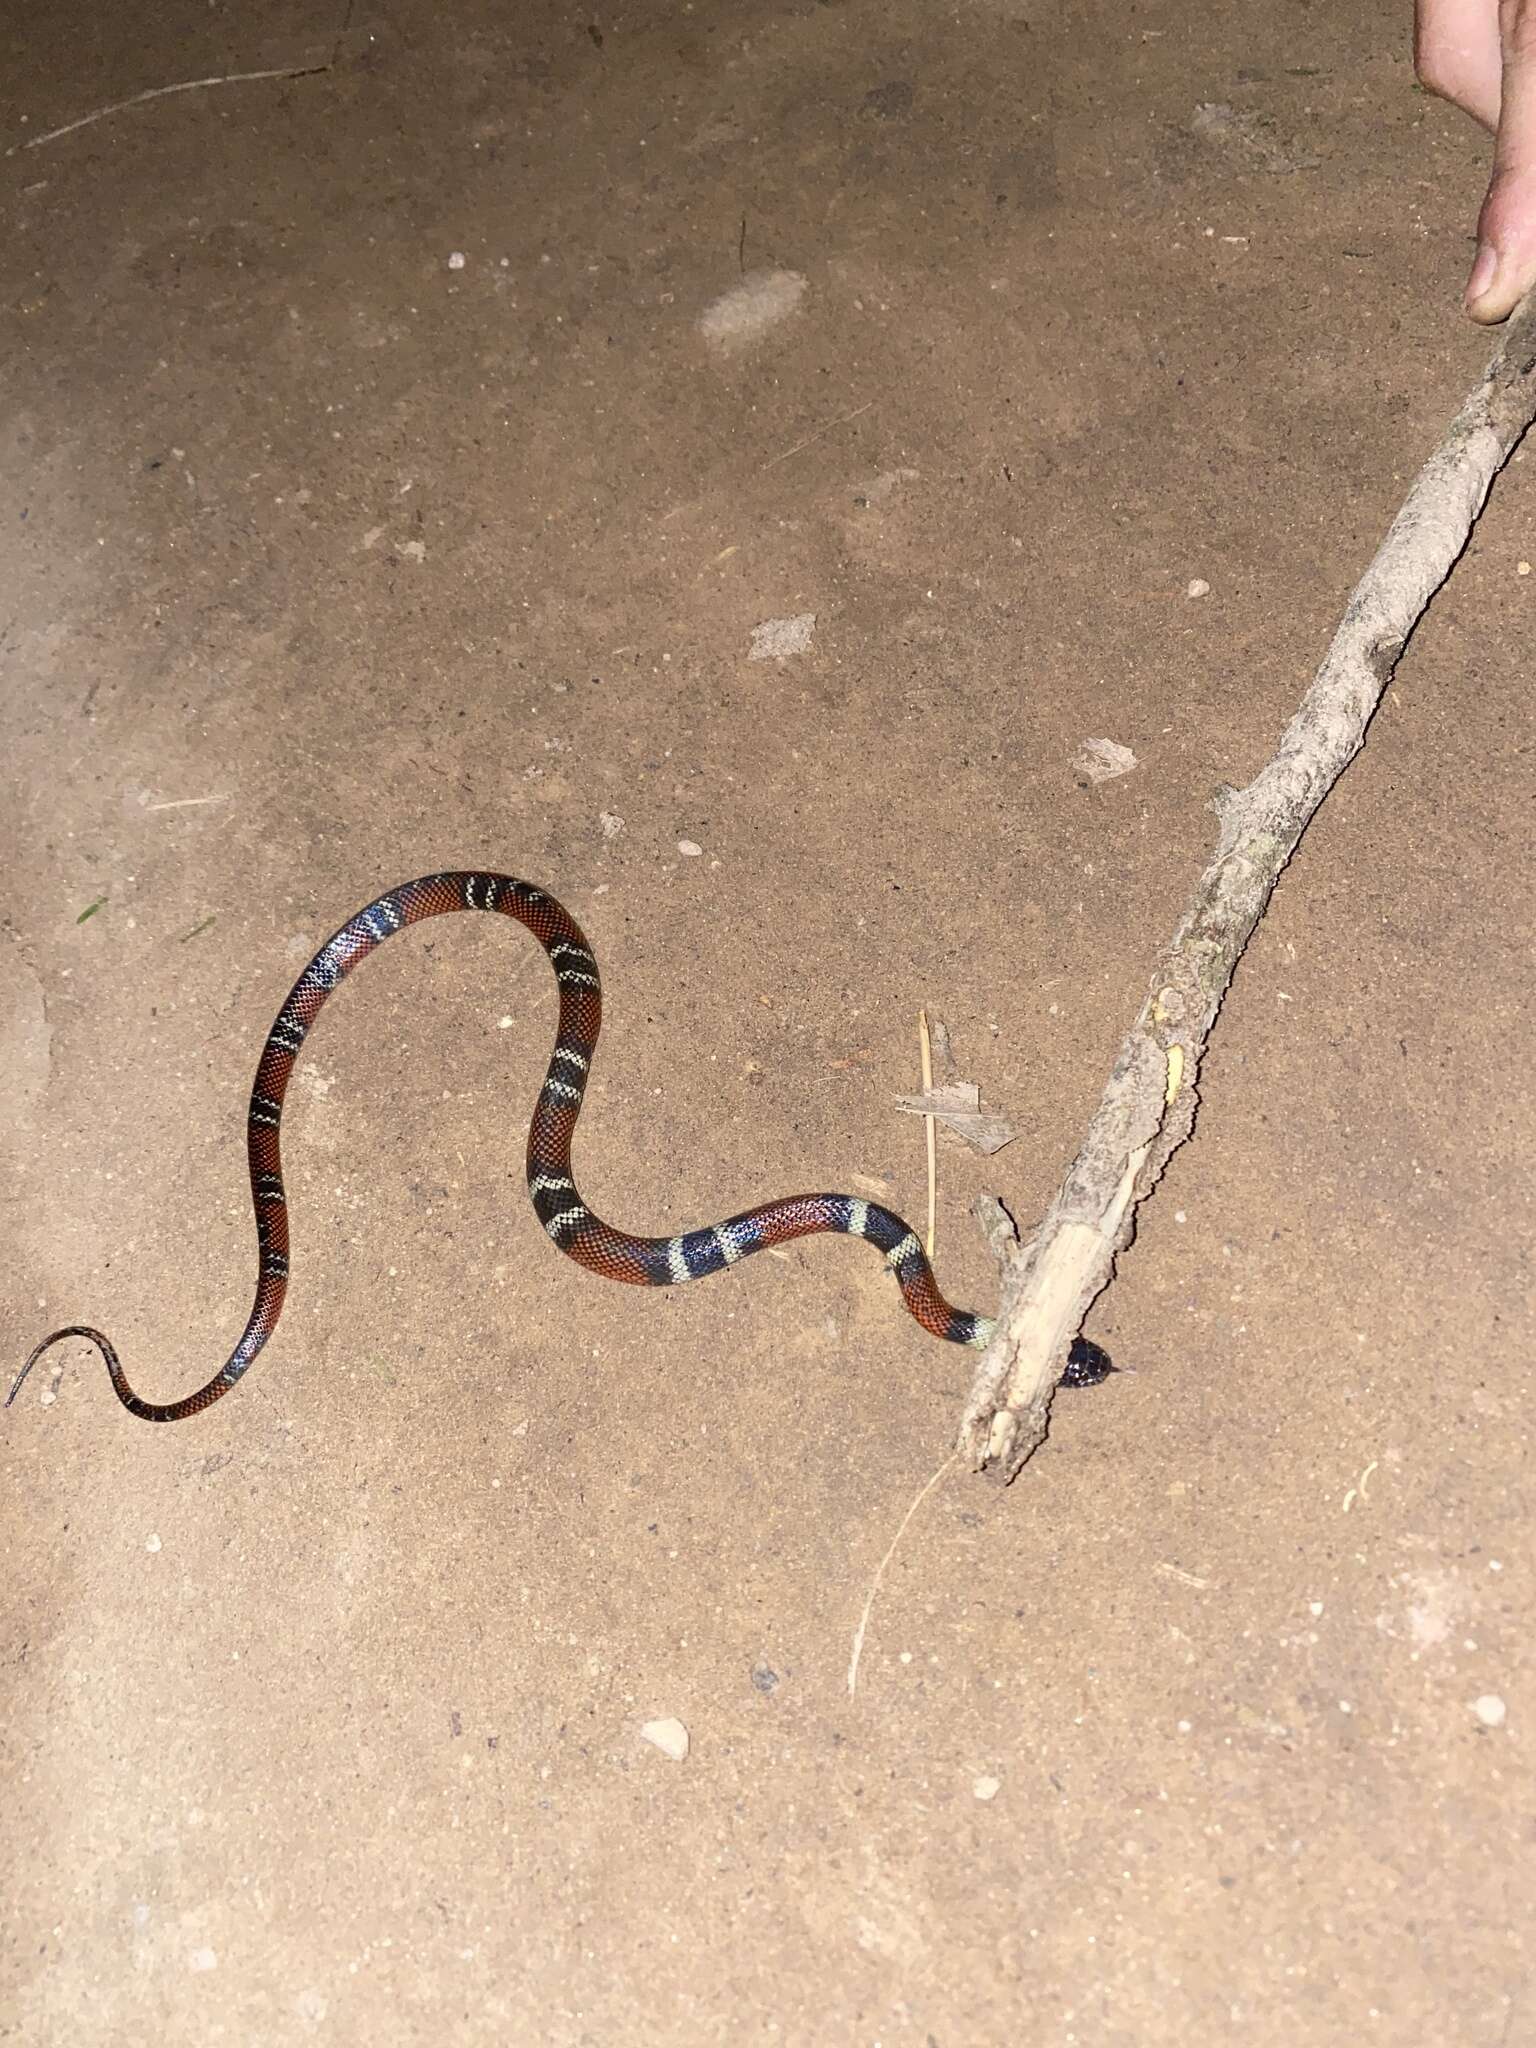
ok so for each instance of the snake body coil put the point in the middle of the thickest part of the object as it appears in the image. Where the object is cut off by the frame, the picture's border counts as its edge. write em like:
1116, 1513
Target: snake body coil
616, 1254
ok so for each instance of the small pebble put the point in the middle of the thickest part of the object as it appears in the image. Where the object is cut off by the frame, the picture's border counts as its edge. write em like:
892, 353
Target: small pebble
776, 639
1522, 568
611, 823
987, 1788
749, 310
1490, 1710
152, 1543
456, 260
669, 1736
1198, 587
690, 847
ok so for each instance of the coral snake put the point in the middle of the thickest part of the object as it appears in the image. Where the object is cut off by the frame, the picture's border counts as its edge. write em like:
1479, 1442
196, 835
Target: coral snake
616, 1254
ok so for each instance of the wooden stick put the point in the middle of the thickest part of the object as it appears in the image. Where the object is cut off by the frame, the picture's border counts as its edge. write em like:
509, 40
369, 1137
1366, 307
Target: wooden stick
925, 1050
1148, 1103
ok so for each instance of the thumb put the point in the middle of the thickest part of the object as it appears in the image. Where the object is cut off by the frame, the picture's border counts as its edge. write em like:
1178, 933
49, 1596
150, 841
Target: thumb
1505, 266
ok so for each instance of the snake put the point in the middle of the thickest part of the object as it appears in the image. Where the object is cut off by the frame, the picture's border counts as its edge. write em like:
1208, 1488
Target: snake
569, 1223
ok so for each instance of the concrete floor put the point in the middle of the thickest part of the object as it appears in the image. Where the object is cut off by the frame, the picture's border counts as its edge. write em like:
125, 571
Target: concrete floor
329, 561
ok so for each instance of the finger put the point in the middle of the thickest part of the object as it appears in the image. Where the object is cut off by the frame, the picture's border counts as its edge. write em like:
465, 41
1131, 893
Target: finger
1456, 54
1505, 266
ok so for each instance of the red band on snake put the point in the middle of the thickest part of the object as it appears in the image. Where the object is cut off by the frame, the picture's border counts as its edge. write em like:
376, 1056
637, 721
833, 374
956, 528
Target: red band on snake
582, 1236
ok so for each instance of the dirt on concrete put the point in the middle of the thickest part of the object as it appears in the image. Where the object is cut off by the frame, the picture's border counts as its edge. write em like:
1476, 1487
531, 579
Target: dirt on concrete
402, 464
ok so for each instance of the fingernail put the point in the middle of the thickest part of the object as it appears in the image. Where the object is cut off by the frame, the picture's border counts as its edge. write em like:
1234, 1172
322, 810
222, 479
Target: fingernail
1483, 273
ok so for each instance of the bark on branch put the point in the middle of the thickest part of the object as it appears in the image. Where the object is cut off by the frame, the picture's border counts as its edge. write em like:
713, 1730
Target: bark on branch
1148, 1104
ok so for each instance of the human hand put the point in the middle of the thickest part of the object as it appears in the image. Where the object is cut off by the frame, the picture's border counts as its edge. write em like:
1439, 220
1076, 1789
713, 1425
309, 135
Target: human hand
1481, 55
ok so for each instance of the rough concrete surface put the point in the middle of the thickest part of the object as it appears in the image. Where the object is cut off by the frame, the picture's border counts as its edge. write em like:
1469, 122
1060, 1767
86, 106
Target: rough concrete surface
951, 346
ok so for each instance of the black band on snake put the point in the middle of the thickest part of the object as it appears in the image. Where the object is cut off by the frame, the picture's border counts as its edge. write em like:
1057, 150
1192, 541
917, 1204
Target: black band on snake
616, 1254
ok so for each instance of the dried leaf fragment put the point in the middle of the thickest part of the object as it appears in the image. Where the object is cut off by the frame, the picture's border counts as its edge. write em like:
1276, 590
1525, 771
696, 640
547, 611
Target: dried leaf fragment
1102, 760
957, 1105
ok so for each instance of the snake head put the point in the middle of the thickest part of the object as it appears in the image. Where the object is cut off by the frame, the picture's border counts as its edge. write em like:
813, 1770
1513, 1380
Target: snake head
1088, 1365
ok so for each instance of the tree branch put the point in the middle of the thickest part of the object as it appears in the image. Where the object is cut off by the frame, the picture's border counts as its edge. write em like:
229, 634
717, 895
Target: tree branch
1148, 1105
